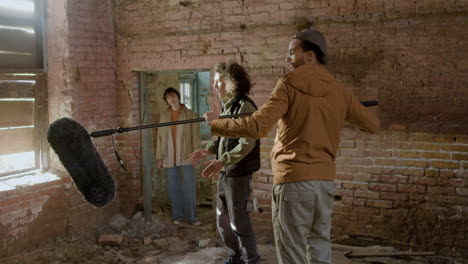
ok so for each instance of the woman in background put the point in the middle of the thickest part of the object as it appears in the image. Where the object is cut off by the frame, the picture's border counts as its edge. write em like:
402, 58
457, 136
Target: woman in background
174, 145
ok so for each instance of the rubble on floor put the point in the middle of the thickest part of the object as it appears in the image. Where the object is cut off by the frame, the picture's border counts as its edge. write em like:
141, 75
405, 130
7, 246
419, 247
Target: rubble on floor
132, 241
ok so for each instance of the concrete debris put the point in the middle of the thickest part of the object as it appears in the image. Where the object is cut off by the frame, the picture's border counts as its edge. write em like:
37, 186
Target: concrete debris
173, 240
150, 259
110, 240
118, 222
161, 243
205, 256
204, 243
147, 240
119, 255
123, 258
137, 215
153, 252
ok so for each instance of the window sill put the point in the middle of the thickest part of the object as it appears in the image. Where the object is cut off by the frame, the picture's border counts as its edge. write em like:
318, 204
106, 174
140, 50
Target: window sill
26, 180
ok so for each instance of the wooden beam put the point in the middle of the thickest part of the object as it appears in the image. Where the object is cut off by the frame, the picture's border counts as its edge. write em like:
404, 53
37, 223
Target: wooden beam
41, 122
147, 157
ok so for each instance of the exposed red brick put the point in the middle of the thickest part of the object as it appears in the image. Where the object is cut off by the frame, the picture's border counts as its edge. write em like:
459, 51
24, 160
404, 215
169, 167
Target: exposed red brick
445, 164
367, 194
355, 186
393, 179
379, 203
435, 155
354, 201
394, 196
382, 187
406, 188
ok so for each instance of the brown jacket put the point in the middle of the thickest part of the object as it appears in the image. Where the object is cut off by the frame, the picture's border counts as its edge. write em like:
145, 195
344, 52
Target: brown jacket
310, 106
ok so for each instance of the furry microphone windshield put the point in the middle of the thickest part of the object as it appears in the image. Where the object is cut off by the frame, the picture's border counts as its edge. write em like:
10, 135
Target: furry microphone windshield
72, 144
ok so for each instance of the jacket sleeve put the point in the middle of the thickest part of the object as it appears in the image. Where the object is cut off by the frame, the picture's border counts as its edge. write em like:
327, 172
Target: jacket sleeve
212, 146
261, 122
245, 144
360, 116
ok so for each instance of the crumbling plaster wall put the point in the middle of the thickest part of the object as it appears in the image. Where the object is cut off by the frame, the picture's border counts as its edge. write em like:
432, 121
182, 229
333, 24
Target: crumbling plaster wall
406, 185
81, 86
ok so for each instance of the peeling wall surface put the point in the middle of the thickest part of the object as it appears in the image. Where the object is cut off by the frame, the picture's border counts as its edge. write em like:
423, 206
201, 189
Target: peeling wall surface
81, 85
406, 185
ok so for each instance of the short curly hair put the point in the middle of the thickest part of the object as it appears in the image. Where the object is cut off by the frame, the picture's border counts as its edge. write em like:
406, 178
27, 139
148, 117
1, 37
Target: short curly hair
236, 74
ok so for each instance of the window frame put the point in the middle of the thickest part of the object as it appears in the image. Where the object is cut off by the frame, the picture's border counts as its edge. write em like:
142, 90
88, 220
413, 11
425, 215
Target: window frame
40, 120
40, 28
40, 108
189, 79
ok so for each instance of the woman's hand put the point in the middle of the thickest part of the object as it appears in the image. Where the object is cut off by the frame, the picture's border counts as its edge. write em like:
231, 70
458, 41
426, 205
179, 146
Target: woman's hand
212, 168
198, 155
160, 164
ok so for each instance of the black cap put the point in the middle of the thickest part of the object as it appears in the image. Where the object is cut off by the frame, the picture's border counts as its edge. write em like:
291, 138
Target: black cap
313, 36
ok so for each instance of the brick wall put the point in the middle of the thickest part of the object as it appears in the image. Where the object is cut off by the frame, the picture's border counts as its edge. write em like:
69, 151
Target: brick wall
402, 187
405, 185
34, 215
405, 189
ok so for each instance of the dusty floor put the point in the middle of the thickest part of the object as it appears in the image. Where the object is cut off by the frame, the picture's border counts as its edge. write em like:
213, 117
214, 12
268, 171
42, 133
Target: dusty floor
164, 243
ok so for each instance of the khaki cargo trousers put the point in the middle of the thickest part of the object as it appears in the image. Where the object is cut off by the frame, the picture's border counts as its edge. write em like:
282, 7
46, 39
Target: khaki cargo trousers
301, 214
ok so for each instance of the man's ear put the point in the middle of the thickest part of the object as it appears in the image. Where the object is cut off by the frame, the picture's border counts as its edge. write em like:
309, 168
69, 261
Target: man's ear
309, 57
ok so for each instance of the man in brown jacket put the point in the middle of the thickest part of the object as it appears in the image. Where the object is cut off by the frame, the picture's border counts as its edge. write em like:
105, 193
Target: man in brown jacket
310, 107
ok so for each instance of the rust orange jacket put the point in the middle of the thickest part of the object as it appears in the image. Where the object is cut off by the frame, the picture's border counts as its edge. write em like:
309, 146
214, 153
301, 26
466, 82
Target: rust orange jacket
310, 107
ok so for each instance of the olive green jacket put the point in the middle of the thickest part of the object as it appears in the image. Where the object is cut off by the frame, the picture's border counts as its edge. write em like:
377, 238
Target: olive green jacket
245, 144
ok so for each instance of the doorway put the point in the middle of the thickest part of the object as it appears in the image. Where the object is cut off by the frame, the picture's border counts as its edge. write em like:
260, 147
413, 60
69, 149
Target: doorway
194, 88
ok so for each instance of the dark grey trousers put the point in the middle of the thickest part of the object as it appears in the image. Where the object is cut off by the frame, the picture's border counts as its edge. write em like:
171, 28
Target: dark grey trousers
232, 219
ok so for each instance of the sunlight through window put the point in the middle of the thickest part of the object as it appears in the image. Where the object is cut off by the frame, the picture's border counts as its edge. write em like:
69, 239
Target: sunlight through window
18, 5
16, 161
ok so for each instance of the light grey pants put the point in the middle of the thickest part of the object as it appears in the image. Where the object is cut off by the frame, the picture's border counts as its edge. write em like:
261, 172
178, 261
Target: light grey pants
301, 214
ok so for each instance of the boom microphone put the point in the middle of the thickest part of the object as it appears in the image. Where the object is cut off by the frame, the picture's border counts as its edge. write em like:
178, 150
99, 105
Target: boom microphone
72, 144
80, 158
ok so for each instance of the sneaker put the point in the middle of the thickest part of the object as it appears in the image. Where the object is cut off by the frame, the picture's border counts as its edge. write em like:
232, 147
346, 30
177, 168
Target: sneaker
234, 260
197, 223
176, 222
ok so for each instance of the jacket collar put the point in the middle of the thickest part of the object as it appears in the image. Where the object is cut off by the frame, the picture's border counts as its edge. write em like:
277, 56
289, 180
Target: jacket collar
182, 108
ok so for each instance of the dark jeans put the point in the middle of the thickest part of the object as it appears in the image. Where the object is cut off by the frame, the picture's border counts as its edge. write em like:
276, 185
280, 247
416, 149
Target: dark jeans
232, 219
